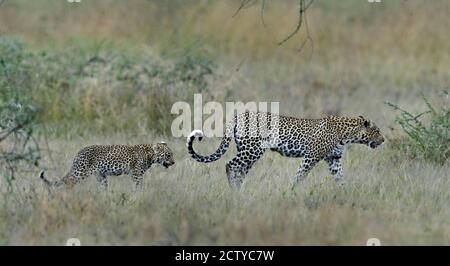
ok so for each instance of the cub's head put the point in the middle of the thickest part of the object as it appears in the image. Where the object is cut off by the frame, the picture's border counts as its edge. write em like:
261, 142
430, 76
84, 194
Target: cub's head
367, 133
163, 154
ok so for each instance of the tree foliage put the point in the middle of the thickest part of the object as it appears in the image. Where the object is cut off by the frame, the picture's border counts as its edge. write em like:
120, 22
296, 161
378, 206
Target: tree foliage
17, 113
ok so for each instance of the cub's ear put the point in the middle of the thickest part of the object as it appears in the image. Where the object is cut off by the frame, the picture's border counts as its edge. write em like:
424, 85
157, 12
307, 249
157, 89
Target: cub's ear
159, 145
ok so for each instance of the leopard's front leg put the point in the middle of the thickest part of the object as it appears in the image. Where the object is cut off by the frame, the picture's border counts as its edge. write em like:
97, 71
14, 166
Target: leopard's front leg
306, 165
335, 165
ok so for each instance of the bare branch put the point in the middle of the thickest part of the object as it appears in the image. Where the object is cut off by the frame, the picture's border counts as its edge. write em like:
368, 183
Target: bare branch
244, 4
301, 12
308, 39
10, 131
302, 9
299, 24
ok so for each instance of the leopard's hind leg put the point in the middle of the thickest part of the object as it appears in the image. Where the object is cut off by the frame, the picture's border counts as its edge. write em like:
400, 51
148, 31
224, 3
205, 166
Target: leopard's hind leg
240, 165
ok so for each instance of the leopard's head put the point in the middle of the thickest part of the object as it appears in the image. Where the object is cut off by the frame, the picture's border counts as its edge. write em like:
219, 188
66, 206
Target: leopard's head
367, 133
163, 154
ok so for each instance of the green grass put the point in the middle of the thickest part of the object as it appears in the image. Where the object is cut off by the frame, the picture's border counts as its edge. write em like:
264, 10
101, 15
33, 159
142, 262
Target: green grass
387, 197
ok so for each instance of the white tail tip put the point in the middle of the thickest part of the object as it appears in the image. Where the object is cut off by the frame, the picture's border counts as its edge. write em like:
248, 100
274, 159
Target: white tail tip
196, 133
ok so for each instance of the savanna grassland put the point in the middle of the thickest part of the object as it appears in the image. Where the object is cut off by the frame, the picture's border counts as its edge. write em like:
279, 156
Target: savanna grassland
108, 72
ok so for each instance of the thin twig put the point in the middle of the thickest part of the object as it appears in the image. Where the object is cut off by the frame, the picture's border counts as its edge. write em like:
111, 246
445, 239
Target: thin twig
244, 3
302, 9
301, 12
308, 39
299, 24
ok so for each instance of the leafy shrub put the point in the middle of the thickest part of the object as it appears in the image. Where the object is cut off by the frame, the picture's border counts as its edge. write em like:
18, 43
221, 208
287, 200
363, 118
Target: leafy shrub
17, 113
96, 88
429, 140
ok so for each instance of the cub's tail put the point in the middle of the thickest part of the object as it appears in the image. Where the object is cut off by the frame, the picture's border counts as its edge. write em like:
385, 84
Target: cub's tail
50, 183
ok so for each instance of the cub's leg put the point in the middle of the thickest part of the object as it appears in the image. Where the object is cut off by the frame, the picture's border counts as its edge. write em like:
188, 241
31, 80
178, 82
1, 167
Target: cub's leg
138, 179
80, 170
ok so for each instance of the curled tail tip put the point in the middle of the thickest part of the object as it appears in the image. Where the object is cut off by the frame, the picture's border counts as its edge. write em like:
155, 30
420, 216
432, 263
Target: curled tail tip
205, 159
195, 134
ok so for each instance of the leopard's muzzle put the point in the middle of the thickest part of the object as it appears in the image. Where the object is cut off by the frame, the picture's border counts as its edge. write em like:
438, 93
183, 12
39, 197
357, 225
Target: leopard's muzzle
375, 144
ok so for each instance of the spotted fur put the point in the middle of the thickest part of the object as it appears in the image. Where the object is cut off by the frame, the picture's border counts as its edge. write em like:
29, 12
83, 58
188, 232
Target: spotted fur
312, 139
113, 160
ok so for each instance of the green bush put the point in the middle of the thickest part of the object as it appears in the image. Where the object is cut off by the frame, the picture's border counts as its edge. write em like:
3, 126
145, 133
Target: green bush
17, 112
428, 140
85, 88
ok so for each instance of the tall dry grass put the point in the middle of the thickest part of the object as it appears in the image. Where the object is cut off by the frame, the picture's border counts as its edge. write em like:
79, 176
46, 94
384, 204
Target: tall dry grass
399, 201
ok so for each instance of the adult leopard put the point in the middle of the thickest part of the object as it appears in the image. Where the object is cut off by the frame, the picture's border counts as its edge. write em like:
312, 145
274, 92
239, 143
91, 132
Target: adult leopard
113, 160
312, 139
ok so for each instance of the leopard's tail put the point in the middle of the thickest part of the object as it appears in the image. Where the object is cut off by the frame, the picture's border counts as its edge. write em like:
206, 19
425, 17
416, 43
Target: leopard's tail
49, 183
218, 153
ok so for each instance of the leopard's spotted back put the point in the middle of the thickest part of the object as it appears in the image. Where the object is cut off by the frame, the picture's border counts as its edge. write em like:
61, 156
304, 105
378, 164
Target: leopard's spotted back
312, 139
113, 160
